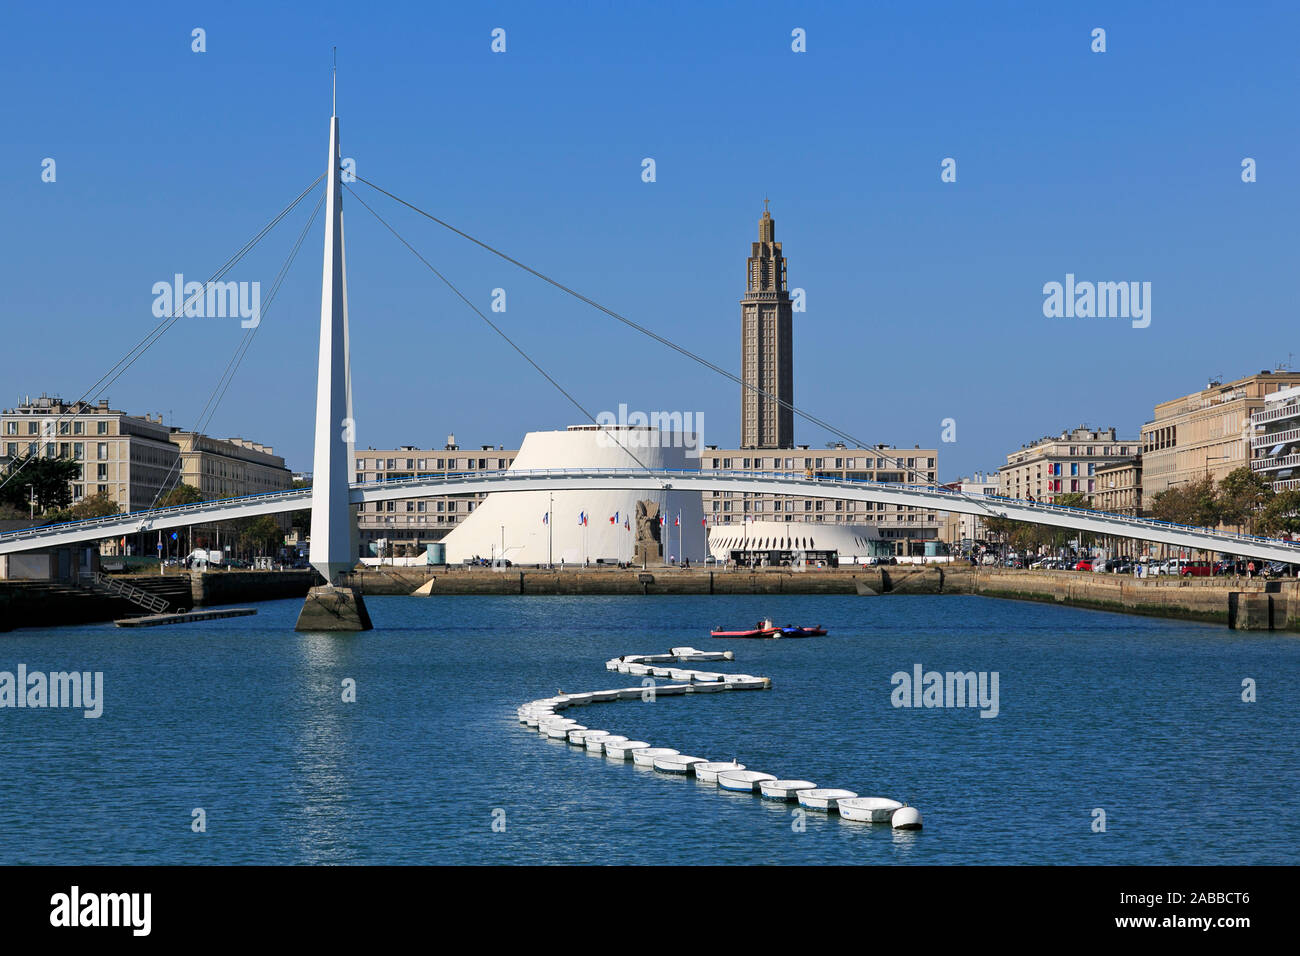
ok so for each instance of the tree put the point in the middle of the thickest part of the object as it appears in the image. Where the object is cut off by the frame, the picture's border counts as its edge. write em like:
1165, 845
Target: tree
1243, 494
300, 521
261, 534
1281, 515
182, 494
49, 478
92, 506
1195, 504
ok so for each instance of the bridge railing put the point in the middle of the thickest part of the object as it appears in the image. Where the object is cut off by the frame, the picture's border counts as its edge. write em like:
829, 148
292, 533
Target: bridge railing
197, 509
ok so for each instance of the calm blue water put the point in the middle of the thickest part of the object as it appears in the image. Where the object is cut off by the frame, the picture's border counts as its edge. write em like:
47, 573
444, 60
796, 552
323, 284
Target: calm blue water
244, 718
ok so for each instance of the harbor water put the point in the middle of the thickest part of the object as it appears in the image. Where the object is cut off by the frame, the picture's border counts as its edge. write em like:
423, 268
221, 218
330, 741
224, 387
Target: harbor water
1142, 719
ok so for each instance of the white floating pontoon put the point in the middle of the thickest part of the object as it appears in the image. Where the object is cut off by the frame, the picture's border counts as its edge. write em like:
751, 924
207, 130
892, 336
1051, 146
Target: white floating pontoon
784, 789
744, 781
709, 770
676, 763
645, 756
623, 749
823, 799
906, 818
868, 809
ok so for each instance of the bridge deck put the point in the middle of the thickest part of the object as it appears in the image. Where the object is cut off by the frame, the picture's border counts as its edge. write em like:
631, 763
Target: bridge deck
590, 479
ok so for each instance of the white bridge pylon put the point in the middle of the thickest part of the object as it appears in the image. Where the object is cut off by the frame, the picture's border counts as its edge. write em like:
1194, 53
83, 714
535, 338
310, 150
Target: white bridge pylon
587, 479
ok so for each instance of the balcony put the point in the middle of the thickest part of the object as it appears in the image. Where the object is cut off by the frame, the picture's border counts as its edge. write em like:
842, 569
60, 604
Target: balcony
1272, 464
1289, 410
1275, 438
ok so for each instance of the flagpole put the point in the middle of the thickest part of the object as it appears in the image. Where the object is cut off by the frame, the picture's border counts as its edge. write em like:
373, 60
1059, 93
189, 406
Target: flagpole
550, 536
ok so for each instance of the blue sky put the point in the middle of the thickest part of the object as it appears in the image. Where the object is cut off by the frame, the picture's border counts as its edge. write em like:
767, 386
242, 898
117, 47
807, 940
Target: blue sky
924, 298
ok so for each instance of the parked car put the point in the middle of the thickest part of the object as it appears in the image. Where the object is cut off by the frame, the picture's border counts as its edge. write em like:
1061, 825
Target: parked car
1277, 569
1196, 569
1084, 564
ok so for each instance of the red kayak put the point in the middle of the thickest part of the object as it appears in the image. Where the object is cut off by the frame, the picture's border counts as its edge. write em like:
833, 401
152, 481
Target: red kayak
768, 630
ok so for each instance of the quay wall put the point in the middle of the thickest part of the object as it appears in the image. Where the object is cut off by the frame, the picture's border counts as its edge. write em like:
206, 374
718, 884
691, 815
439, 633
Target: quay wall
1232, 602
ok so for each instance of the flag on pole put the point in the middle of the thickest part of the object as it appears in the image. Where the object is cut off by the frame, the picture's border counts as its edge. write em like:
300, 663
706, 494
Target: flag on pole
662, 521
582, 517
612, 518
704, 522
546, 518
627, 525
677, 522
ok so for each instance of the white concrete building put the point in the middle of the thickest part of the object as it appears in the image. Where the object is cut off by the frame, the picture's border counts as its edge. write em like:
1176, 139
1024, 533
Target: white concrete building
540, 527
774, 543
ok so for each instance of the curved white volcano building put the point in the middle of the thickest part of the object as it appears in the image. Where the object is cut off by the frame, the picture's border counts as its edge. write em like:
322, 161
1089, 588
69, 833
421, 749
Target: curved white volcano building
537, 527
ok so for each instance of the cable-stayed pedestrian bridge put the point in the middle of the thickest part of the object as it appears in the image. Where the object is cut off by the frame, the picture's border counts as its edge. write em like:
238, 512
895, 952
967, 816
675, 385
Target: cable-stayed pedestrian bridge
637, 479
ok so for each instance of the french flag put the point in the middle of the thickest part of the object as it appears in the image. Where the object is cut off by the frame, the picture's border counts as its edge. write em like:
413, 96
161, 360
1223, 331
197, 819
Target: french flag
546, 518
582, 517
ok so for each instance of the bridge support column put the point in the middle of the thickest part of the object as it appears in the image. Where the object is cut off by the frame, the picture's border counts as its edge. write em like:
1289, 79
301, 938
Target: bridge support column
333, 608
336, 606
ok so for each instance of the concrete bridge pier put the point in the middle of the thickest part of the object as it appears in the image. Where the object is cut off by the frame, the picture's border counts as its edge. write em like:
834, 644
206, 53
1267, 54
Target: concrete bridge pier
333, 608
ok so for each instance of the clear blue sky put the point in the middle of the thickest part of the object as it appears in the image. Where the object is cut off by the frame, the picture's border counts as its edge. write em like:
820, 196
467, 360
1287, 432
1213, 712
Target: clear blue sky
924, 298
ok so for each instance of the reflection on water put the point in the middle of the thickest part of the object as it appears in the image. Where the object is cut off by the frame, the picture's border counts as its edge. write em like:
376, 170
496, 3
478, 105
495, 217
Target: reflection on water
324, 745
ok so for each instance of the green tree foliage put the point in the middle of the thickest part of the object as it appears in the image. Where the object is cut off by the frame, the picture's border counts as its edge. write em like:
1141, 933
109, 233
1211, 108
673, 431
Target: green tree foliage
261, 535
1281, 513
49, 478
182, 494
301, 520
92, 506
1243, 495
1196, 504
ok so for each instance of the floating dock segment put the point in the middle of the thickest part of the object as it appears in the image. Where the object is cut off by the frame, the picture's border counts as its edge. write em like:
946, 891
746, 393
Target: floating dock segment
868, 809
823, 798
709, 770
645, 757
185, 617
906, 818
675, 763
744, 781
623, 749
784, 789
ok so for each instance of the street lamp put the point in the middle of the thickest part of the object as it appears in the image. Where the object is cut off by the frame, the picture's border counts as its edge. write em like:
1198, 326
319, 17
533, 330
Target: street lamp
31, 502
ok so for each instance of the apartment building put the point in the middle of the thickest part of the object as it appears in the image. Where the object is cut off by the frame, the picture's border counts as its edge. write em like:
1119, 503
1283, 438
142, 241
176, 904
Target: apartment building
131, 459
416, 522
1207, 433
1119, 487
1063, 464
136, 460
229, 467
1275, 439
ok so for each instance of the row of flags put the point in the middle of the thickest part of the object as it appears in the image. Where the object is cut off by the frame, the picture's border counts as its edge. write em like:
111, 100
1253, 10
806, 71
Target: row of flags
614, 519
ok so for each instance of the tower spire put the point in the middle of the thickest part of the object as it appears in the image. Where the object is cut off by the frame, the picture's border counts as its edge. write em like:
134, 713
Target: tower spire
766, 421
334, 99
